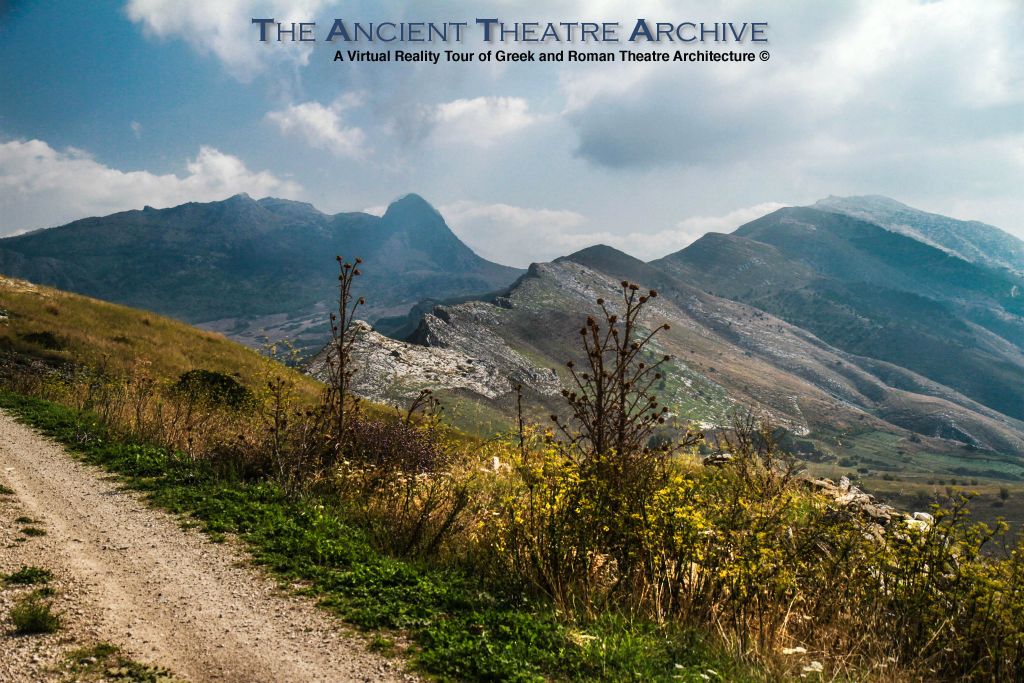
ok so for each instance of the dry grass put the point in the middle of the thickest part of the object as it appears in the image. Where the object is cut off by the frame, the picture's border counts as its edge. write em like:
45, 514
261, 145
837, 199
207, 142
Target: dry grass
59, 328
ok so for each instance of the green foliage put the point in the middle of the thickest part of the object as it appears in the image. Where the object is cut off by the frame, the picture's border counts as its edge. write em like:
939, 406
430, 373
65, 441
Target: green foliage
216, 387
32, 615
605, 471
446, 612
6, 490
28, 576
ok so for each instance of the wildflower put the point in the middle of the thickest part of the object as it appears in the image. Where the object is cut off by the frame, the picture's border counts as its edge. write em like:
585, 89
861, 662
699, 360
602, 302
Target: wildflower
581, 639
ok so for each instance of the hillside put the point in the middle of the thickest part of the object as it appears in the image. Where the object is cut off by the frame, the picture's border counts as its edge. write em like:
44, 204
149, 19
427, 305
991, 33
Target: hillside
254, 269
837, 406
874, 293
970, 240
62, 331
882, 355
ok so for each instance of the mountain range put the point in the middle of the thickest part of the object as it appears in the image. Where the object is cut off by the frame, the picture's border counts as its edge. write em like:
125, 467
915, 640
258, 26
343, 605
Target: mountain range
254, 270
882, 338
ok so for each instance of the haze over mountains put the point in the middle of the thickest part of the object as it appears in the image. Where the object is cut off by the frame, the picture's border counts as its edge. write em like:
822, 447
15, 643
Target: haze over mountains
254, 269
869, 329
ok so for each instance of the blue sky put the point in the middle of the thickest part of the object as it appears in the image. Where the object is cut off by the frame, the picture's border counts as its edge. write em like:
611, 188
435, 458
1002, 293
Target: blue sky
106, 106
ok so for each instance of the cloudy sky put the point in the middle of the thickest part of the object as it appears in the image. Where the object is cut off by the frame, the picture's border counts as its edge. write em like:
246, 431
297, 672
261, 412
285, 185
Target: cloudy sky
106, 106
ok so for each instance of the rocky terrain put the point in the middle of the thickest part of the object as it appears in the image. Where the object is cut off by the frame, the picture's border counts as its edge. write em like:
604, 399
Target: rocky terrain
468, 358
726, 355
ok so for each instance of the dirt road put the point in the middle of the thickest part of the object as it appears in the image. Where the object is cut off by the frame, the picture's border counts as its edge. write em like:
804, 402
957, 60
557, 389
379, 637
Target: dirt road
132, 576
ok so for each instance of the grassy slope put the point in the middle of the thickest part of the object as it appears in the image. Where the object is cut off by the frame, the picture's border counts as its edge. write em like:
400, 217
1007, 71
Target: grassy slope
460, 629
61, 328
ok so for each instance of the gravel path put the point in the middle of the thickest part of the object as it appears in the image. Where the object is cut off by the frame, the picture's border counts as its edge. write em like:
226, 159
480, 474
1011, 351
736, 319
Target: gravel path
130, 575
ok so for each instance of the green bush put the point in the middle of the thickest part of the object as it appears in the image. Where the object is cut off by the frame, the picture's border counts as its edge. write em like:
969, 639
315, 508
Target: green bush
33, 615
215, 387
29, 576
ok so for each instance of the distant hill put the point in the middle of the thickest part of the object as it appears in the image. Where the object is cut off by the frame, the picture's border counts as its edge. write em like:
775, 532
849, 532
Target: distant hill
970, 240
251, 268
837, 406
876, 293
870, 345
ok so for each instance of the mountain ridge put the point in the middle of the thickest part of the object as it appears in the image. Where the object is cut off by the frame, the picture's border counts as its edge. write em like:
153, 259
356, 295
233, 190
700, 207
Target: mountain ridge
254, 269
970, 240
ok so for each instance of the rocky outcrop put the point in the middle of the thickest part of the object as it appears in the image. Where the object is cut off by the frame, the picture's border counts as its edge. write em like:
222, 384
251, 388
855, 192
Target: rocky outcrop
848, 497
392, 372
877, 515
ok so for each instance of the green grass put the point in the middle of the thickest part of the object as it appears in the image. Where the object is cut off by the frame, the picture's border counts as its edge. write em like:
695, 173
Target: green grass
33, 615
106, 662
29, 576
459, 629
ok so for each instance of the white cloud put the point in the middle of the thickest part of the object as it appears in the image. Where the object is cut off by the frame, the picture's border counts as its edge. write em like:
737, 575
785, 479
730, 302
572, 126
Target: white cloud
900, 74
136, 129
516, 235
480, 121
41, 186
224, 28
322, 127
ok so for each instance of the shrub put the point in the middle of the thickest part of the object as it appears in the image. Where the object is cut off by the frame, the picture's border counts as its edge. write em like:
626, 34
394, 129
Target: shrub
400, 479
339, 403
46, 339
33, 615
29, 576
576, 527
215, 387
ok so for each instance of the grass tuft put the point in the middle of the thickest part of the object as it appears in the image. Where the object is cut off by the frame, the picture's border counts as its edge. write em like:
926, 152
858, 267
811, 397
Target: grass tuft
29, 576
32, 615
104, 662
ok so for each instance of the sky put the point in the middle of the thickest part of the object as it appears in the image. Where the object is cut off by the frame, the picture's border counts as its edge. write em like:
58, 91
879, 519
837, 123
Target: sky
108, 106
